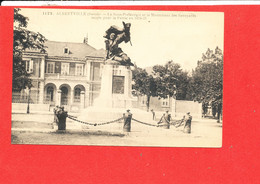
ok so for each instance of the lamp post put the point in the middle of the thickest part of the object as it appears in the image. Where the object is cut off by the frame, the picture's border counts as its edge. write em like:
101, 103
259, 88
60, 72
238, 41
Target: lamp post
28, 105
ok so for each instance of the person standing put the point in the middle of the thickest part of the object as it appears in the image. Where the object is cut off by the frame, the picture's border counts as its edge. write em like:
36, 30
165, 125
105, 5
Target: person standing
165, 120
62, 115
187, 123
168, 116
153, 114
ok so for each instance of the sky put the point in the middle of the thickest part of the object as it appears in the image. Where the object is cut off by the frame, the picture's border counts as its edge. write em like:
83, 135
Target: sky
156, 36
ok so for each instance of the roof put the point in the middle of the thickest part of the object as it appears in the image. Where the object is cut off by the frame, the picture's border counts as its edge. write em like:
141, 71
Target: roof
76, 50
98, 53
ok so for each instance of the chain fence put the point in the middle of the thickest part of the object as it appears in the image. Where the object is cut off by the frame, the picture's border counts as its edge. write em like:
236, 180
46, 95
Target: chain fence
149, 124
93, 124
176, 123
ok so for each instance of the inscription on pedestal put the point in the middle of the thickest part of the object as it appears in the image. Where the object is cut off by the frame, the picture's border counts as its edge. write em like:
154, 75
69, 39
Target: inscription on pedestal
118, 85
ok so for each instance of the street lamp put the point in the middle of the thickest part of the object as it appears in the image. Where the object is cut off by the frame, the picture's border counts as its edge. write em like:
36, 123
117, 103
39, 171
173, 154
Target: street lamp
28, 105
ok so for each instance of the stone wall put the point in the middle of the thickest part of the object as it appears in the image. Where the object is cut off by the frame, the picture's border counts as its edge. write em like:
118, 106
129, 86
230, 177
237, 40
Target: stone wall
177, 108
183, 107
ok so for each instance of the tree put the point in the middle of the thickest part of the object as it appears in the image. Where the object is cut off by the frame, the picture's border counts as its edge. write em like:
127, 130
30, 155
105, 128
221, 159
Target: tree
171, 80
144, 84
182, 85
206, 84
23, 39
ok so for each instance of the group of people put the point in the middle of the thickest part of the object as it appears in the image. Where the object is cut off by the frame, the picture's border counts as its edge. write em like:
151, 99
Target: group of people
60, 116
166, 119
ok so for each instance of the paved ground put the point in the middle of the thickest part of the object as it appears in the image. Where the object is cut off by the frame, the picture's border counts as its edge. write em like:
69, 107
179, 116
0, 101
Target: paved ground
38, 129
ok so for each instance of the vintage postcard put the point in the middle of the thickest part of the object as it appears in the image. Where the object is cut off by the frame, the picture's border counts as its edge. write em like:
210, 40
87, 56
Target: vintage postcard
117, 77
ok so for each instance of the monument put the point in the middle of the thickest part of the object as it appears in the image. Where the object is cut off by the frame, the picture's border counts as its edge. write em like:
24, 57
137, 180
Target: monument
116, 81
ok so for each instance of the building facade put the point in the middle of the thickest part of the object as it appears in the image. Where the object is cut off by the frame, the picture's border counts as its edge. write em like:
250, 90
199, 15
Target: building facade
68, 74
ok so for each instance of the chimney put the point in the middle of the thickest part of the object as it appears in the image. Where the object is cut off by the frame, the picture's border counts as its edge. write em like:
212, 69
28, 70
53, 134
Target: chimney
85, 39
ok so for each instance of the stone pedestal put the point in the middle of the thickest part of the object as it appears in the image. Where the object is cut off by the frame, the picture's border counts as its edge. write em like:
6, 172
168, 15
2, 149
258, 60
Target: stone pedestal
116, 87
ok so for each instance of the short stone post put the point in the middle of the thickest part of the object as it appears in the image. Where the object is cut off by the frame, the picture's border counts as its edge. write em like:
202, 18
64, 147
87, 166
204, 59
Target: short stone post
62, 115
127, 121
187, 123
187, 127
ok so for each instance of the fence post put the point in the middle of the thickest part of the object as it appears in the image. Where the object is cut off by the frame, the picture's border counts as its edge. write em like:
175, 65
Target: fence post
127, 121
187, 127
187, 123
62, 115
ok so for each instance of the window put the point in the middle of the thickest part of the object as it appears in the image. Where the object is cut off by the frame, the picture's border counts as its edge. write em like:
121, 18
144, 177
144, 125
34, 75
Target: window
50, 93
79, 69
50, 67
64, 95
65, 68
77, 95
96, 75
29, 66
66, 50
166, 102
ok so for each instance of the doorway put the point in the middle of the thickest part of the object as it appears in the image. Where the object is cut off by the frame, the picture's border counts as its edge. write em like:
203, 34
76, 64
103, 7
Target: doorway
64, 95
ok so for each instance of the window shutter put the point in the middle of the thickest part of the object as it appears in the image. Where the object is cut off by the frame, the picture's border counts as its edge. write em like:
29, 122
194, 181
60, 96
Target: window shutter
58, 67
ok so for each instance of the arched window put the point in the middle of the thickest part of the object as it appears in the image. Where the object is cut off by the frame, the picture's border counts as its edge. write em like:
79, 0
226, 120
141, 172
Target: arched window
77, 95
50, 93
64, 95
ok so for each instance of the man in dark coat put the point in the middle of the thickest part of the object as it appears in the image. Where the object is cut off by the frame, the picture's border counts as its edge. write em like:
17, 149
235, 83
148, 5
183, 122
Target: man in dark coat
62, 115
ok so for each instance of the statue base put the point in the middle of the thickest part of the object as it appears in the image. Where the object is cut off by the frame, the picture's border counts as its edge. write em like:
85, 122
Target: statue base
116, 86
118, 61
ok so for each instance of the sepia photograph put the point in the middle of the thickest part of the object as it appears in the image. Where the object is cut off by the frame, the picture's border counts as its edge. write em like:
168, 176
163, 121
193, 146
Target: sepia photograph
117, 77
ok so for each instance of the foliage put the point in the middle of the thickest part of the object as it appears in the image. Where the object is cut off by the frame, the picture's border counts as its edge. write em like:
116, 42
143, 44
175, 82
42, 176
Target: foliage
206, 85
168, 80
171, 80
23, 39
144, 84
